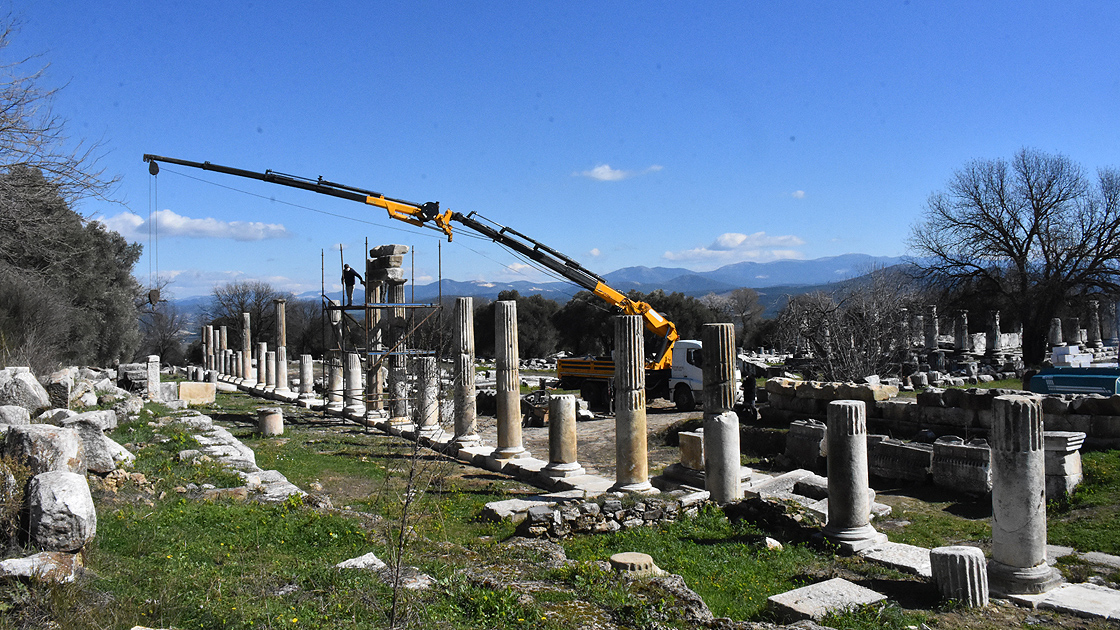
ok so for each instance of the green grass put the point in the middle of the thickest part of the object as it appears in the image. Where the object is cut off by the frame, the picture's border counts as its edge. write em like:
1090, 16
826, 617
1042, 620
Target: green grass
727, 564
1088, 521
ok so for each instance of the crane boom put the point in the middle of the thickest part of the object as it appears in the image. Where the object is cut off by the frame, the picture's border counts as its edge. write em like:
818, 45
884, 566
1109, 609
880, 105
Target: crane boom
428, 214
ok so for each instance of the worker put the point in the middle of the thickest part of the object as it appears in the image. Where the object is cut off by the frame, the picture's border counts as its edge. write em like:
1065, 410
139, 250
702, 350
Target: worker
348, 277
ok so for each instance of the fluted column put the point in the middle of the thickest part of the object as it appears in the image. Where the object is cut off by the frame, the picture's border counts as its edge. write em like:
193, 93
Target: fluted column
995, 335
352, 393
721, 423
306, 377
427, 394
466, 431
270, 370
398, 362
849, 499
932, 330
509, 380
1019, 498
632, 462
223, 340
961, 574
333, 359
246, 351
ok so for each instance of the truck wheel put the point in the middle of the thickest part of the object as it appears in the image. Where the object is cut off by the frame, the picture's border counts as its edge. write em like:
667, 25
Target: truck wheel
684, 398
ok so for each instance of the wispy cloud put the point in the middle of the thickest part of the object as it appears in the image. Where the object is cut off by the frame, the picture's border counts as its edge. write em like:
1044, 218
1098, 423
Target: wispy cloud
798, 194
732, 247
605, 173
194, 282
168, 223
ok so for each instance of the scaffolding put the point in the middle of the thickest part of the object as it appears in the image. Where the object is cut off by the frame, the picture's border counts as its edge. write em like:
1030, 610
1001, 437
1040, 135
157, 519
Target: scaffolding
389, 333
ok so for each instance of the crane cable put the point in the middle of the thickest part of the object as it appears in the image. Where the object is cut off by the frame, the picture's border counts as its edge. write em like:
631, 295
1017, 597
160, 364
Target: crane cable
153, 235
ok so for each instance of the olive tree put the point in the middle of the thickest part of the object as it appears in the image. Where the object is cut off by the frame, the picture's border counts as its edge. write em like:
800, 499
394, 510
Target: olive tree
1032, 232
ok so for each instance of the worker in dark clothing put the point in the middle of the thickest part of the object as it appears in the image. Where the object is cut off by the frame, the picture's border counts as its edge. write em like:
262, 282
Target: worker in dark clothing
348, 278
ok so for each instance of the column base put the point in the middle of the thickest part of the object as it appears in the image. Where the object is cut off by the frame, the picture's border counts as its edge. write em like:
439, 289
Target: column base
644, 487
510, 452
854, 539
1004, 579
570, 469
467, 441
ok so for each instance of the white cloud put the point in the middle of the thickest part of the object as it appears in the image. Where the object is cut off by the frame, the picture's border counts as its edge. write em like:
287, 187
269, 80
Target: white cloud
595, 253
169, 223
798, 194
605, 173
732, 247
193, 282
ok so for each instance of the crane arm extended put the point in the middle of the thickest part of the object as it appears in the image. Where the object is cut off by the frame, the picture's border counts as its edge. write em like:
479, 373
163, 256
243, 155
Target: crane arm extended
417, 214
420, 214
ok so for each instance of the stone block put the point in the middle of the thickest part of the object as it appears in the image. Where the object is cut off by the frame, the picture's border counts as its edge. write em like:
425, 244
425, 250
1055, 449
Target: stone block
46, 448
977, 399
197, 393
894, 410
804, 443
387, 262
960, 466
14, 414
817, 600
782, 386
388, 250
386, 275
896, 460
50, 566
901, 557
1055, 405
932, 397
692, 449
60, 511
19, 387
1104, 426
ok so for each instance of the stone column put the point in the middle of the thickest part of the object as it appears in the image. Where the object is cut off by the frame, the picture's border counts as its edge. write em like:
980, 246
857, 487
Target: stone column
1056, 338
508, 381
374, 385
270, 370
919, 331
1111, 325
721, 423
466, 430
995, 335
398, 363
214, 345
562, 437
282, 370
427, 395
246, 351
960, 573
153, 378
1018, 455
1075, 326
1095, 324
849, 499
281, 322
270, 421
631, 459
306, 377
235, 365
932, 330
262, 370
963, 344
333, 359
204, 340
352, 374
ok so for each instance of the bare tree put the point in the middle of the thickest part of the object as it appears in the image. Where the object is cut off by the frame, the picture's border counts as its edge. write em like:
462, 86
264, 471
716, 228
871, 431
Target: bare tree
1032, 233
32, 135
854, 332
230, 300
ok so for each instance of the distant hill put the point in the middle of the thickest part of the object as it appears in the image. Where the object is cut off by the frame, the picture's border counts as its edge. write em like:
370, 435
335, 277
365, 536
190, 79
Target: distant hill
773, 280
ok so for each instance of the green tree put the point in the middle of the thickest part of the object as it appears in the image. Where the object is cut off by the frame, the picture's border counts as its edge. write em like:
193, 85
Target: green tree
583, 325
536, 334
45, 244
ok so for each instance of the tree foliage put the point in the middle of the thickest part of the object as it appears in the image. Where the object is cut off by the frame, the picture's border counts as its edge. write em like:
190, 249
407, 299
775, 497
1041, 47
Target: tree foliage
83, 270
255, 297
1034, 232
536, 334
742, 308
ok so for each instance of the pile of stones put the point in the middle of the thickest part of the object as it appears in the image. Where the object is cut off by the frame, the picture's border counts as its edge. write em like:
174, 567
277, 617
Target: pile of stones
608, 513
57, 450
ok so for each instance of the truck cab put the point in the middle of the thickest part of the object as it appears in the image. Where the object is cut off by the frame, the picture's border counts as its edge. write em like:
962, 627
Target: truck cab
686, 382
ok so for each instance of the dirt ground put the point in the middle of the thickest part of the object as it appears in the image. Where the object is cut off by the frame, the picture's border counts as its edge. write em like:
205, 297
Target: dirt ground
595, 438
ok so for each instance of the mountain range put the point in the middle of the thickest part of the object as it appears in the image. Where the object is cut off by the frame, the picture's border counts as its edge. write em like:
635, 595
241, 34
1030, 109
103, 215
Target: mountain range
772, 280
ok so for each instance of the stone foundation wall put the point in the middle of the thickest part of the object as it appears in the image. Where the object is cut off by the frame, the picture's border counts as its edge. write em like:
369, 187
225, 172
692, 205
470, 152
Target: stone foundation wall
966, 413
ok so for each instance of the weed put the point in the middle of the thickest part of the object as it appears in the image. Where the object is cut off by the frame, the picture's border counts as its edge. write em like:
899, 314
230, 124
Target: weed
881, 616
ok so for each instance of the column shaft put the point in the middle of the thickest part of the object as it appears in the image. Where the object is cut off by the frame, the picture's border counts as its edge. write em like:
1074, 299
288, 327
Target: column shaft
632, 462
508, 380
466, 431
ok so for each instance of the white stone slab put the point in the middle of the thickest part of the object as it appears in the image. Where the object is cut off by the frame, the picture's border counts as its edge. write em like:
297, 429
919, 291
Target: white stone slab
1096, 557
1083, 600
901, 557
817, 600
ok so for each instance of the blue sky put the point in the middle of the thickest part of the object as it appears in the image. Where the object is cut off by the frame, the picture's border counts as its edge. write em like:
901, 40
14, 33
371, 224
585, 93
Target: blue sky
657, 134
